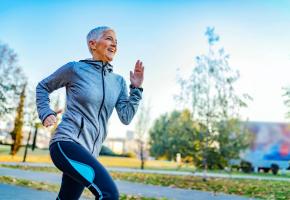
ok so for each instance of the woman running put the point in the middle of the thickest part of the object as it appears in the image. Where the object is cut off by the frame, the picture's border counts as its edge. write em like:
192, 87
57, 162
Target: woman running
93, 90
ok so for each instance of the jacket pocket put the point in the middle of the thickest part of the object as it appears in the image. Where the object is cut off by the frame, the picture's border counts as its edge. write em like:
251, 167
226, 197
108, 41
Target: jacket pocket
82, 126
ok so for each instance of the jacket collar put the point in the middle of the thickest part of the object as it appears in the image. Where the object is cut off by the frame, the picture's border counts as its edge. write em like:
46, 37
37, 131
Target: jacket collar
99, 64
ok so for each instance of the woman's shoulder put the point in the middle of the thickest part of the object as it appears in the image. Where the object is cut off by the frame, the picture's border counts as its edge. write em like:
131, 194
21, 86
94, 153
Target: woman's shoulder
117, 76
76, 65
67, 67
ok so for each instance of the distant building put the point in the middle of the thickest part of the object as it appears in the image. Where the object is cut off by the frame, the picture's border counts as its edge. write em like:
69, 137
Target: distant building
130, 135
117, 145
125, 145
122, 145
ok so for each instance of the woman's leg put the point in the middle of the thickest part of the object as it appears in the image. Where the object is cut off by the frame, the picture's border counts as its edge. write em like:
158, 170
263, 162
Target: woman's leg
70, 189
76, 162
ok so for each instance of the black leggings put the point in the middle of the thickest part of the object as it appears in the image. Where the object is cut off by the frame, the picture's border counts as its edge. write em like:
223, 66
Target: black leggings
80, 169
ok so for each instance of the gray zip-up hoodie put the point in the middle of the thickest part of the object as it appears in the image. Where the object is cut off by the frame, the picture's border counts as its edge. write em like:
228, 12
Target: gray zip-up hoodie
92, 92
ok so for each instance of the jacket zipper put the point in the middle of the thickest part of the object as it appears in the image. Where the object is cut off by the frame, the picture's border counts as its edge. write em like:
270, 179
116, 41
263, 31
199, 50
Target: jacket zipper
82, 126
103, 100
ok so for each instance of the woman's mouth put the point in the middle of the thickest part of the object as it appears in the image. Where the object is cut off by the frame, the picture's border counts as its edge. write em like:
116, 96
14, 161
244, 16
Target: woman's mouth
112, 50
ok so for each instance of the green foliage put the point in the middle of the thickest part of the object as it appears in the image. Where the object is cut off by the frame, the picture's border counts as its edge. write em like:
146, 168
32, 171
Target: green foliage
106, 151
176, 133
232, 137
18, 124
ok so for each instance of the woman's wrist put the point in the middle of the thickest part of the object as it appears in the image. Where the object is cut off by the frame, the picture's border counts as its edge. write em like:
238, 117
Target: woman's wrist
134, 87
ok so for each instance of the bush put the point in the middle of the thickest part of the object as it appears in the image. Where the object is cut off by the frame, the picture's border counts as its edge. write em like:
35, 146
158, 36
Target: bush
106, 151
274, 169
129, 155
246, 167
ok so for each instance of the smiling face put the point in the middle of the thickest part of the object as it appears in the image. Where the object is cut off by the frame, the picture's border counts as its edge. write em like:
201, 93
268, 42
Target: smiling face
105, 47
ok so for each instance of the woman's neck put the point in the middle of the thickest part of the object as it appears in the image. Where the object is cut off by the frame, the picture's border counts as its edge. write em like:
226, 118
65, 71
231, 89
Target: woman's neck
98, 58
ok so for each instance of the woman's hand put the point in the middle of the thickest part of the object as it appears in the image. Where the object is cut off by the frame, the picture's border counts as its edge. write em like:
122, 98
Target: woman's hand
51, 119
137, 77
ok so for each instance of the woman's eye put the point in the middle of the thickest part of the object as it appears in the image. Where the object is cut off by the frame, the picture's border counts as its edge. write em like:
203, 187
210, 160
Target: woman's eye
111, 39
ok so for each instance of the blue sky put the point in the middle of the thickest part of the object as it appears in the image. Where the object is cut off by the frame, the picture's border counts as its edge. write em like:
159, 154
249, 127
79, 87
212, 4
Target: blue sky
165, 35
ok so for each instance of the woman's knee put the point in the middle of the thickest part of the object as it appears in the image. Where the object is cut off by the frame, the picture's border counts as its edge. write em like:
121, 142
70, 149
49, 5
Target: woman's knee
111, 193
109, 196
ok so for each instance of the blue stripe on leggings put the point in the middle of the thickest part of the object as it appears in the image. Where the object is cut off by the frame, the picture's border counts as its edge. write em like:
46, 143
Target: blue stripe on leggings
85, 170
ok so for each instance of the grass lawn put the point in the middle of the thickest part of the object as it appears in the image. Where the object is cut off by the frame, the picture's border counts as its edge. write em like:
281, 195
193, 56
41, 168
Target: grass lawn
42, 156
258, 174
55, 188
263, 189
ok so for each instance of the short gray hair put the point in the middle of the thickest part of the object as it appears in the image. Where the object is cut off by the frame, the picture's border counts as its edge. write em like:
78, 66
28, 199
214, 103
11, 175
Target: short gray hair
96, 34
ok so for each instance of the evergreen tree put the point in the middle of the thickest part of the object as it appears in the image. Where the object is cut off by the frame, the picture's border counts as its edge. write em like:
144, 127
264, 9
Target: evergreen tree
18, 124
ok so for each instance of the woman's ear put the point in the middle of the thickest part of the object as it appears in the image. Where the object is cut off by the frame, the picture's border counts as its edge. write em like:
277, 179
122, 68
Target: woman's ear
92, 44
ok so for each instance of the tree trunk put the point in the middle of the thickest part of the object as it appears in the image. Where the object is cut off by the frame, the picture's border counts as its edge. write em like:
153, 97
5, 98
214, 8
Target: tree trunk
142, 155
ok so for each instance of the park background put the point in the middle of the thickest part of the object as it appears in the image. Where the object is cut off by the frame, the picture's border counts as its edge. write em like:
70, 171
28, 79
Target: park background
167, 36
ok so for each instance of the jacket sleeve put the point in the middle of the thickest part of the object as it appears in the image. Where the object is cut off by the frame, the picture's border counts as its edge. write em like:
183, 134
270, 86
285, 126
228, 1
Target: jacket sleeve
127, 106
60, 78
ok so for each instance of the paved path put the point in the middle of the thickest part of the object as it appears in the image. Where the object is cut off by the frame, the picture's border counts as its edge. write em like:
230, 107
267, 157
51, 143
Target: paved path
127, 187
12, 192
120, 169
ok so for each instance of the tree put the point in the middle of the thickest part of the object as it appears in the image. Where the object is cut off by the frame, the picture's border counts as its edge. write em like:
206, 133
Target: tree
12, 88
18, 124
141, 128
210, 94
233, 137
158, 135
12, 80
30, 111
31, 119
174, 133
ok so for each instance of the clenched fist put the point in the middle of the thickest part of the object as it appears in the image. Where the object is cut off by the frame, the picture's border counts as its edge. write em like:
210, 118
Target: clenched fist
51, 119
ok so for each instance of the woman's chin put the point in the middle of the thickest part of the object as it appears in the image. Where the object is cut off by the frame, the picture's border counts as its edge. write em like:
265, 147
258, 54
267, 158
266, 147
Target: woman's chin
109, 58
